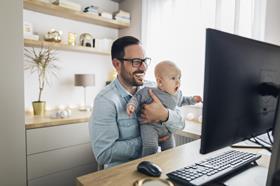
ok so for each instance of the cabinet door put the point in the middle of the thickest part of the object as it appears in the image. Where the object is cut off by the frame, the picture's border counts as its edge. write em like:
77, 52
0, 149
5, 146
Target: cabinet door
50, 138
64, 178
42, 164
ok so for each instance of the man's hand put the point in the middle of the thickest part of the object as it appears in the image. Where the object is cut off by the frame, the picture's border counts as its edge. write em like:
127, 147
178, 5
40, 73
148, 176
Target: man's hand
153, 112
163, 138
130, 109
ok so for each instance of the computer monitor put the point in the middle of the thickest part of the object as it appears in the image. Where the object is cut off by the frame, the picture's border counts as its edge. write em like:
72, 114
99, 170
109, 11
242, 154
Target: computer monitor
233, 108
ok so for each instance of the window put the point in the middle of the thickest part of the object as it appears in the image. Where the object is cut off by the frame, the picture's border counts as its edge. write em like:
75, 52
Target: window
175, 30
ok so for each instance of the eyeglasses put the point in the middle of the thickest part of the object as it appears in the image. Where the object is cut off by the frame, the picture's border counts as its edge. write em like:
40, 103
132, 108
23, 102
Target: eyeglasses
137, 62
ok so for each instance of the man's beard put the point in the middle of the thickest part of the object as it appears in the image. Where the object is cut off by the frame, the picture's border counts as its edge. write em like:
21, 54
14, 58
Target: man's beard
129, 78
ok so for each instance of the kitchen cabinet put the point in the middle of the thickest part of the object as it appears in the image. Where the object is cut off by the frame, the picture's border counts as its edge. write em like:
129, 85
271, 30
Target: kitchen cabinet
57, 155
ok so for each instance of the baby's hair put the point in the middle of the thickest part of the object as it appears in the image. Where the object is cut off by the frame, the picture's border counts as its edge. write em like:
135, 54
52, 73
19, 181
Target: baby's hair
160, 68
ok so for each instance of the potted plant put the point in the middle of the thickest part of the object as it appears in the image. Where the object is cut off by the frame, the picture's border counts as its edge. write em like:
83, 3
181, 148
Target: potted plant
42, 63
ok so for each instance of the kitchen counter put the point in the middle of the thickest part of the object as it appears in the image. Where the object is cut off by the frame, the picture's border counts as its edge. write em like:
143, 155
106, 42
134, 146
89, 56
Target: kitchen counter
33, 122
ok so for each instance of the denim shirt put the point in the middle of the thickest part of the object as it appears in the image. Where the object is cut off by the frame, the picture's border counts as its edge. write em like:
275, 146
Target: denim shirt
115, 136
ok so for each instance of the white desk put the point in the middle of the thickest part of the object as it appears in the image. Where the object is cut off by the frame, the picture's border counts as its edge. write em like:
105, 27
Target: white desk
192, 130
170, 160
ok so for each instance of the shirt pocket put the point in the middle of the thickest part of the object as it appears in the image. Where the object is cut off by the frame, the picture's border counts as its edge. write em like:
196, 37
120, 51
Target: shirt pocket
128, 128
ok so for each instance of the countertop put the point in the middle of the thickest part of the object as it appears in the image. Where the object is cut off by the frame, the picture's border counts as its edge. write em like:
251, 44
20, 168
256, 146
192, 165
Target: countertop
33, 122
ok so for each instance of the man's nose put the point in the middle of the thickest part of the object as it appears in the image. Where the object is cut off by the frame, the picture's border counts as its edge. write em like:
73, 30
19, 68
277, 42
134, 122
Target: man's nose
143, 66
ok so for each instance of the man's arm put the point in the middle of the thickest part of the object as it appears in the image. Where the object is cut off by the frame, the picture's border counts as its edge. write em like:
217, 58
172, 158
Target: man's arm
104, 135
157, 112
175, 120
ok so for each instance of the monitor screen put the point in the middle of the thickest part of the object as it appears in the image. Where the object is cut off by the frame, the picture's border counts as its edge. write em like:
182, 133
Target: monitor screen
233, 109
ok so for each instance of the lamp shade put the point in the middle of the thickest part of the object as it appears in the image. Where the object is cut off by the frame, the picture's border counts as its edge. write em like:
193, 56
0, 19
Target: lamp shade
84, 80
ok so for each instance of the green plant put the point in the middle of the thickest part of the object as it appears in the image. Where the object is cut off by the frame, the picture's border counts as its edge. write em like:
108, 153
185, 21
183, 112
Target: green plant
42, 63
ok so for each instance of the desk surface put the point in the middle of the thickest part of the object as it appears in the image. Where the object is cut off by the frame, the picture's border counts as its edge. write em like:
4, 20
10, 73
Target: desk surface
192, 130
169, 160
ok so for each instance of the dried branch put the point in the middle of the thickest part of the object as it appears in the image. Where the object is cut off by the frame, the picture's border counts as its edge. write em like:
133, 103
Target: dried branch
41, 62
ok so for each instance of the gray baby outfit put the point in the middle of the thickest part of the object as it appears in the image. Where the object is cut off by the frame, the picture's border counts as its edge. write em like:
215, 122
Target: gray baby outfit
150, 133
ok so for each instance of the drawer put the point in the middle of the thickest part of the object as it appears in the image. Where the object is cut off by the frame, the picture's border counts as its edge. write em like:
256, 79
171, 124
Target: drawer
50, 138
64, 178
42, 164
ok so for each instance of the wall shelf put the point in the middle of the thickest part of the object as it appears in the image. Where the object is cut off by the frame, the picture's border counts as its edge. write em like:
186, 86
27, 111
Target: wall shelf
59, 46
54, 10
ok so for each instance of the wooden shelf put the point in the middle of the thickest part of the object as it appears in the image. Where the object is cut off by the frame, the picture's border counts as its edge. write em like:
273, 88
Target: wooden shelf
59, 46
54, 10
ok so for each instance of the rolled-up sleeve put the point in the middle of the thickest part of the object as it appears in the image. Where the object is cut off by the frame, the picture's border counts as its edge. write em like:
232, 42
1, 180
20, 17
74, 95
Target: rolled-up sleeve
104, 134
187, 101
175, 120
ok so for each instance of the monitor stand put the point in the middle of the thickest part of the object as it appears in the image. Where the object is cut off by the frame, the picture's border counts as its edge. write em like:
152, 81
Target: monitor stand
246, 144
274, 90
275, 157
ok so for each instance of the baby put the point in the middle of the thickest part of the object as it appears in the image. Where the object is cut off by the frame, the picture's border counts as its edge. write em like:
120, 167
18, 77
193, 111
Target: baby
168, 83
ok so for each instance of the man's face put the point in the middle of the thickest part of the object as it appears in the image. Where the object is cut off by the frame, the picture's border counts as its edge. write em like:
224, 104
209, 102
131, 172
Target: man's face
132, 75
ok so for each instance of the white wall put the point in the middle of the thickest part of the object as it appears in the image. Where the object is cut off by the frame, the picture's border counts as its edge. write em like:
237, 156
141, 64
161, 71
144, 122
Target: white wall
135, 9
62, 90
272, 28
12, 128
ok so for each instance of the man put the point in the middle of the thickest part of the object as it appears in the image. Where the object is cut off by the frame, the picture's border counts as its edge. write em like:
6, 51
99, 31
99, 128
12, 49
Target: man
114, 135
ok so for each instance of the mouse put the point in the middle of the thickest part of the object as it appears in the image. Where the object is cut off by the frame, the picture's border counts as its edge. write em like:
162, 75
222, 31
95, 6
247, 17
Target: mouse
149, 168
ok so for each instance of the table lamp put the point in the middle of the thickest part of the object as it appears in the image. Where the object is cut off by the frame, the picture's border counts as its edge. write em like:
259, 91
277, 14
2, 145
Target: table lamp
84, 80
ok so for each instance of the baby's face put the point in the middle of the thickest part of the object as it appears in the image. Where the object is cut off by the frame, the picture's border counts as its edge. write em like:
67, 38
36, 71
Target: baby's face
170, 81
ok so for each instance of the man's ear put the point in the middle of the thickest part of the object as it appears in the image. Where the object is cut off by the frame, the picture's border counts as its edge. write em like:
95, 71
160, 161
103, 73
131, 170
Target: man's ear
116, 64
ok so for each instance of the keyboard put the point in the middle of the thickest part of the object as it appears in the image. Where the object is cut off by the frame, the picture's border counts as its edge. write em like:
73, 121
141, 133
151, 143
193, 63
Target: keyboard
213, 168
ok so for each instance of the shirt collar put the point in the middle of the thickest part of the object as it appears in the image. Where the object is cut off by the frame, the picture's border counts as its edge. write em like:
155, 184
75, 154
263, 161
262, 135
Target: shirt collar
123, 92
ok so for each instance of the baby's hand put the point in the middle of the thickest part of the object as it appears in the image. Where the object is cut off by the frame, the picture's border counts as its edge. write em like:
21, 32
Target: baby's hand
130, 109
197, 99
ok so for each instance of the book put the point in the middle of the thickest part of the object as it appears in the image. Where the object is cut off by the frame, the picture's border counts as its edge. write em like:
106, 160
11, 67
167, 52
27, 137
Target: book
106, 15
122, 13
121, 19
31, 37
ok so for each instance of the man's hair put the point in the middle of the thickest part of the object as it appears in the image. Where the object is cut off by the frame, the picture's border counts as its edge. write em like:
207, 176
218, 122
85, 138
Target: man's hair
117, 50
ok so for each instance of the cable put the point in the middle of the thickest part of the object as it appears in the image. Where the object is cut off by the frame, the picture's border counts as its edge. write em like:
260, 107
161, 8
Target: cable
264, 141
269, 137
265, 147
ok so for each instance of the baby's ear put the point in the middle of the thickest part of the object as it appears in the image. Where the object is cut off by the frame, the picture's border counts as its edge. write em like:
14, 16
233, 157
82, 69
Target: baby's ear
158, 79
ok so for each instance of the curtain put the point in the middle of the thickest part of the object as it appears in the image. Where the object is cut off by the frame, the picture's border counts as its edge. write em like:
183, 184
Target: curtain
175, 30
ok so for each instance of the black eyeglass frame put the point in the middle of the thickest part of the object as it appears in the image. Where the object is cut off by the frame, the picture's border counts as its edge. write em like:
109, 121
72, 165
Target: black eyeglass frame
137, 62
